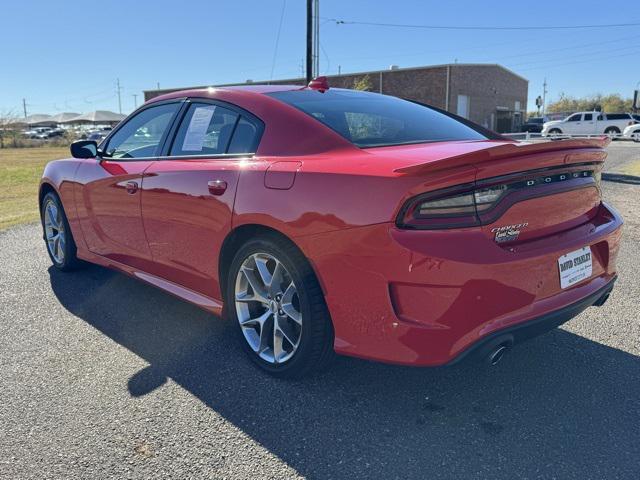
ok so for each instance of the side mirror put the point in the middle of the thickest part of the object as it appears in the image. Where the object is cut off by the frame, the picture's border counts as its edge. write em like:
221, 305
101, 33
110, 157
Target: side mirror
84, 149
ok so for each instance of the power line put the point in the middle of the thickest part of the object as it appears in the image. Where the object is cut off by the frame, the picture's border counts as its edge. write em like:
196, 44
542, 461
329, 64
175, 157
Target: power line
572, 56
325, 56
589, 60
275, 50
479, 27
573, 47
458, 51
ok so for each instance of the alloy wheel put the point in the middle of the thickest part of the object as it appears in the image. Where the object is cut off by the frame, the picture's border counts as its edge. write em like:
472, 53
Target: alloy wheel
268, 308
54, 231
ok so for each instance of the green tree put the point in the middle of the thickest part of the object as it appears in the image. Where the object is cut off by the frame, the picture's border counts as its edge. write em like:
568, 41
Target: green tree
606, 103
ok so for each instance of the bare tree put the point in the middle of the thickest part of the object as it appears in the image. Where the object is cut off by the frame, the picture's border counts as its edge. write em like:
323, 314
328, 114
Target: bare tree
9, 129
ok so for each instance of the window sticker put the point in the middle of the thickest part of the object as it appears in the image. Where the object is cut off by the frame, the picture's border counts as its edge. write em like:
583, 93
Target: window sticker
197, 130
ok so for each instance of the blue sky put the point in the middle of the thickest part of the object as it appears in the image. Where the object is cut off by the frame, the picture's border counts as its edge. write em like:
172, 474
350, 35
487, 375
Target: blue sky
67, 55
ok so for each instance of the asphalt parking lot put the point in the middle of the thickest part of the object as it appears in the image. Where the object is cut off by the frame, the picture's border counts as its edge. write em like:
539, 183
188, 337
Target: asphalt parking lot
105, 377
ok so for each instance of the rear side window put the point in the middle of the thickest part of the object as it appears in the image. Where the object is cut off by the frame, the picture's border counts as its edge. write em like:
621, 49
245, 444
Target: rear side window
588, 117
618, 116
245, 137
206, 129
373, 120
209, 129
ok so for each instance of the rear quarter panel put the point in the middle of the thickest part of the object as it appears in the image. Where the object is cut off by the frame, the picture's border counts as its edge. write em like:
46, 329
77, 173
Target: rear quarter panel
325, 198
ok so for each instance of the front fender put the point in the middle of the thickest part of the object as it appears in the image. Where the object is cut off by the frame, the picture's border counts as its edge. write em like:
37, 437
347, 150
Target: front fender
59, 175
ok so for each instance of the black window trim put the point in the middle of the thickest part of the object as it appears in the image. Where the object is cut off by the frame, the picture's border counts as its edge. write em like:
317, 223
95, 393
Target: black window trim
242, 113
101, 153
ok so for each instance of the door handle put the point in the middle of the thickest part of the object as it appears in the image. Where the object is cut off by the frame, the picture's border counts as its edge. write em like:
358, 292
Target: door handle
132, 187
217, 187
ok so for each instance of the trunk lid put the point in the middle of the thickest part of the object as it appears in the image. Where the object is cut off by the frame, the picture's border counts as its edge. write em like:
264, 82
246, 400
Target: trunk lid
549, 187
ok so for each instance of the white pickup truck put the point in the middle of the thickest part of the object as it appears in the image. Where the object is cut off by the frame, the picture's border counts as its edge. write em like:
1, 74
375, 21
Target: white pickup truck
588, 123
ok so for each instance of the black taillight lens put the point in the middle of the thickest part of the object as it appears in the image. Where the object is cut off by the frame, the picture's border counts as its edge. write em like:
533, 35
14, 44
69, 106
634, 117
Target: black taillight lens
475, 204
446, 209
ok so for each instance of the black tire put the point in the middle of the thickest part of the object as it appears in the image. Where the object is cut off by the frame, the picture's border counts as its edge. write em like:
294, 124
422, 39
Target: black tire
69, 261
612, 131
554, 132
636, 136
315, 348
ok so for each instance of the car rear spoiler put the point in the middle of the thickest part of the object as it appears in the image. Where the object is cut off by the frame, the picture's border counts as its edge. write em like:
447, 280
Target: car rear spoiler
592, 151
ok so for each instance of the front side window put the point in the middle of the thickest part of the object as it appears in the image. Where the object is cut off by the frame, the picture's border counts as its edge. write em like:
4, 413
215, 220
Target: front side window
205, 130
142, 134
574, 118
373, 120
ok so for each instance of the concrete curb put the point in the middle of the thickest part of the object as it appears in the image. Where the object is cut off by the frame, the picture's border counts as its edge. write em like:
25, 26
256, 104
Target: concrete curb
621, 178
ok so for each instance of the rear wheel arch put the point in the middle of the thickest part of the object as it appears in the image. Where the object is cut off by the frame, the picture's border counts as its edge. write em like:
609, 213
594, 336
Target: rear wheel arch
243, 233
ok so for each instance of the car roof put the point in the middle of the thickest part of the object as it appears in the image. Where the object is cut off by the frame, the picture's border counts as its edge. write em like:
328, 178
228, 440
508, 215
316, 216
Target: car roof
231, 89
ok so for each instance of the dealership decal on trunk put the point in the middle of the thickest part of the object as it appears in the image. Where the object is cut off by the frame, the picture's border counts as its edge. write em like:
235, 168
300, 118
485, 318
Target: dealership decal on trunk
508, 233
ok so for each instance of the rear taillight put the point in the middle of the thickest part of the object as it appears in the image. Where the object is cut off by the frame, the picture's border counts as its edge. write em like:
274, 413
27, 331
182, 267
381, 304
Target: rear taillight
445, 209
478, 204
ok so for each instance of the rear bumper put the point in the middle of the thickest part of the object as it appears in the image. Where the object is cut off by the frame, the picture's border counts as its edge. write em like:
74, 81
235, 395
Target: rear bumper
532, 328
423, 298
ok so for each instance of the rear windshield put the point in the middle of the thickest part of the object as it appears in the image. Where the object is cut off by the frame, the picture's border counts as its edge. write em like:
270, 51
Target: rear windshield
373, 120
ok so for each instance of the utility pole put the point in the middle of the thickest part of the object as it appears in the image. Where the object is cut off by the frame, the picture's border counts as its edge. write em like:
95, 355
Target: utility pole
157, 85
316, 38
544, 96
135, 100
24, 107
309, 58
118, 89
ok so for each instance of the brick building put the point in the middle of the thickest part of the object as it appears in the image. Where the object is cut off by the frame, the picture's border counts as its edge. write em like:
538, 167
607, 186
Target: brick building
487, 94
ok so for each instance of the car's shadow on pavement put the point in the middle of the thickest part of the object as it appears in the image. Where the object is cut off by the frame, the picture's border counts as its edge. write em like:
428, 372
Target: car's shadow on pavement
559, 406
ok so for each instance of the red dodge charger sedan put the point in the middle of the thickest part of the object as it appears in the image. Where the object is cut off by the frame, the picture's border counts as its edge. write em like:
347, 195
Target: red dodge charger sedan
326, 221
